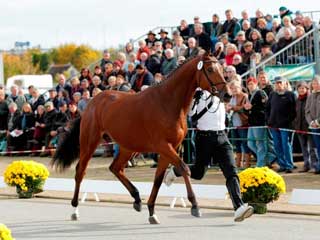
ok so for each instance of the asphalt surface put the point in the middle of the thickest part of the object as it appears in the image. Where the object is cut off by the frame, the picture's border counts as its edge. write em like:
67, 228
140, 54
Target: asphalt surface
50, 219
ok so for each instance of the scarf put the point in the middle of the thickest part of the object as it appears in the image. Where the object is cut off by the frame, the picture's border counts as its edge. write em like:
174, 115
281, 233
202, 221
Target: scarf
302, 97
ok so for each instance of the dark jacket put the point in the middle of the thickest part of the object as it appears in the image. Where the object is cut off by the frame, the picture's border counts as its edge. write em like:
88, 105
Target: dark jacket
231, 27
30, 121
268, 89
40, 101
300, 122
191, 52
185, 33
204, 41
66, 87
153, 63
281, 109
60, 120
138, 81
49, 118
4, 111
257, 114
241, 68
15, 119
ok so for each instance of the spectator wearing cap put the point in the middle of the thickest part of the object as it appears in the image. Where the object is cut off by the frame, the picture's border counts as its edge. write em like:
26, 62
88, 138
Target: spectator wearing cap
53, 97
63, 85
300, 123
256, 39
257, 133
231, 25
105, 59
4, 111
239, 118
246, 27
241, 68
151, 39
141, 78
15, 97
298, 20
267, 53
231, 50
169, 64
163, 37
179, 47
313, 115
192, 49
240, 40
248, 52
85, 74
96, 83
75, 85
36, 99
142, 48
84, 100
285, 12
184, 29
280, 113
203, 39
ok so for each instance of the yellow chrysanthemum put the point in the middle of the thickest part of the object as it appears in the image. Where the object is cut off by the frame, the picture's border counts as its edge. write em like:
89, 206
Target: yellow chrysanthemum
5, 233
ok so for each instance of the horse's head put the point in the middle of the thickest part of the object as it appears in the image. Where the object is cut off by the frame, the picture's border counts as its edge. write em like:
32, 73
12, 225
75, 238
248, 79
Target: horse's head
210, 75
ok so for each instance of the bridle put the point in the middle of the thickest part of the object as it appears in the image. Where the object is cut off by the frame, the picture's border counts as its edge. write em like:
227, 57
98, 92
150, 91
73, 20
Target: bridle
214, 89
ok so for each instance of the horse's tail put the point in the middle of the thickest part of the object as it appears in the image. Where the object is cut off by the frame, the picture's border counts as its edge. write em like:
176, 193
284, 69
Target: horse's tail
68, 148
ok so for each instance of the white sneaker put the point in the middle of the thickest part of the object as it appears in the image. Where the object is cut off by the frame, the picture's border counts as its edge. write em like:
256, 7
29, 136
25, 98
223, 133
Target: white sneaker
169, 177
243, 212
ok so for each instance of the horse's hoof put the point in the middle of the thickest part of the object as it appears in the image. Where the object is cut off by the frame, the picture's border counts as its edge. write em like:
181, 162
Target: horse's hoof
74, 217
195, 211
154, 219
137, 206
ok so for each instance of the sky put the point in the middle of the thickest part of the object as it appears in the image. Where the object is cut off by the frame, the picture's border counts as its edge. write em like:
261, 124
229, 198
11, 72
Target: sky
103, 23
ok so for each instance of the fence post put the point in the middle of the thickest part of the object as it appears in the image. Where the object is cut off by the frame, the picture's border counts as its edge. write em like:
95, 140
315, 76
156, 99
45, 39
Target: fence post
316, 47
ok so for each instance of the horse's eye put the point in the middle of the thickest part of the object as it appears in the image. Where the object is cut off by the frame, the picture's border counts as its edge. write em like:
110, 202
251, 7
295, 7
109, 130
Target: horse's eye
210, 69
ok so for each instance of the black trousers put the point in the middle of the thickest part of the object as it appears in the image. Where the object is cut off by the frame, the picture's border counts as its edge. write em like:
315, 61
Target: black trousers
215, 145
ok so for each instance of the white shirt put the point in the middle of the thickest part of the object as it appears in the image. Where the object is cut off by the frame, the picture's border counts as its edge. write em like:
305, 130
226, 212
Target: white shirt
214, 118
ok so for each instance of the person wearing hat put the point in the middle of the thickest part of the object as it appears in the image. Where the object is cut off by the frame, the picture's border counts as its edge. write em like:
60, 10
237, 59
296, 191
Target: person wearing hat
151, 39
313, 115
257, 133
284, 11
267, 53
163, 37
300, 123
141, 78
280, 113
248, 52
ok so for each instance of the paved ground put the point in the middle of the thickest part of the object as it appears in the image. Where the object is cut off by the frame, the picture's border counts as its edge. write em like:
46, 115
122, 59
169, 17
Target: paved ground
49, 219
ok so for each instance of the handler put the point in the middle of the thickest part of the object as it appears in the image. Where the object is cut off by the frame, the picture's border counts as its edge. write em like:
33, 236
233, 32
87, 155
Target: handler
212, 142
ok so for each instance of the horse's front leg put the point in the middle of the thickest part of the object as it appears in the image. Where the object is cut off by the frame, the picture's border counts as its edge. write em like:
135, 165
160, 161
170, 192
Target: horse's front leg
161, 169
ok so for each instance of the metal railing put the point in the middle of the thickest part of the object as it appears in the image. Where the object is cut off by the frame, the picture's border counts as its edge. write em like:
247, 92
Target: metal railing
301, 51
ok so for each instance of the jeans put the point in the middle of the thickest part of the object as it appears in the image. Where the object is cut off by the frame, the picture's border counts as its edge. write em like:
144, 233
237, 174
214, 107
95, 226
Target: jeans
316, 140
282, 144
308, 151
241, 144
258, 143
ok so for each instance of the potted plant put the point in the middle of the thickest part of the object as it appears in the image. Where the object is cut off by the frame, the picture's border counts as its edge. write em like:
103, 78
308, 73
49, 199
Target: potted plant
5, 233
260, 186
27, 176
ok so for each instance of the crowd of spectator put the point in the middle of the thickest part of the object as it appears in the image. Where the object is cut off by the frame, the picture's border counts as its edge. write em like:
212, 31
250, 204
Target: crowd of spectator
31, 122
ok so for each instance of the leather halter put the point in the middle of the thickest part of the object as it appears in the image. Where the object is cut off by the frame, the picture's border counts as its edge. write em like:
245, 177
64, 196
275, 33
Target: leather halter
214, 89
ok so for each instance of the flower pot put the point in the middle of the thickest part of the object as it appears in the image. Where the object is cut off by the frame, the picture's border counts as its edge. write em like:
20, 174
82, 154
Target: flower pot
24, 194
259, 208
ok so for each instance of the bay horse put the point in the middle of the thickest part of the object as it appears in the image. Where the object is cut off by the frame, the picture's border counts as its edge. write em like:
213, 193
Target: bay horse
153, 120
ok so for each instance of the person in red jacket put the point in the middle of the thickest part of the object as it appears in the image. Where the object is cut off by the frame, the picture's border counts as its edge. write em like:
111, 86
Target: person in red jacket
142, 48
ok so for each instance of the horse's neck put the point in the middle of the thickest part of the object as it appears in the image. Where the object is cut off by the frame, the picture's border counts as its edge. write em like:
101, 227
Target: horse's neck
178, 90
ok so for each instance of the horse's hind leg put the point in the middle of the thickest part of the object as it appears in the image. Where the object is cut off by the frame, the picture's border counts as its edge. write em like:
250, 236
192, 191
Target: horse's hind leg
117, 168
88, 144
